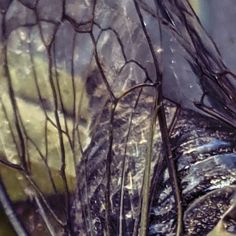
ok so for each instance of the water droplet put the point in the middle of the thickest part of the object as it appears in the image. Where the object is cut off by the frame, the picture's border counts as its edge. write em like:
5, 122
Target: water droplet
159, 50
22, 36
20, 177
27, 71
40, 48
18, 52
28, 40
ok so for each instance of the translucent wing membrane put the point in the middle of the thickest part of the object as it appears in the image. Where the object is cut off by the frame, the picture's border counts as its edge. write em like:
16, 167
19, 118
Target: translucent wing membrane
107, 111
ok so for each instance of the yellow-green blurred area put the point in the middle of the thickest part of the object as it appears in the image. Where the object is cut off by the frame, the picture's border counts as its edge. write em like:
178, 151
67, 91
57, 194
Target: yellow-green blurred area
44, 123
201, 9
5, 228
196, 5
29, 215
49, 104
